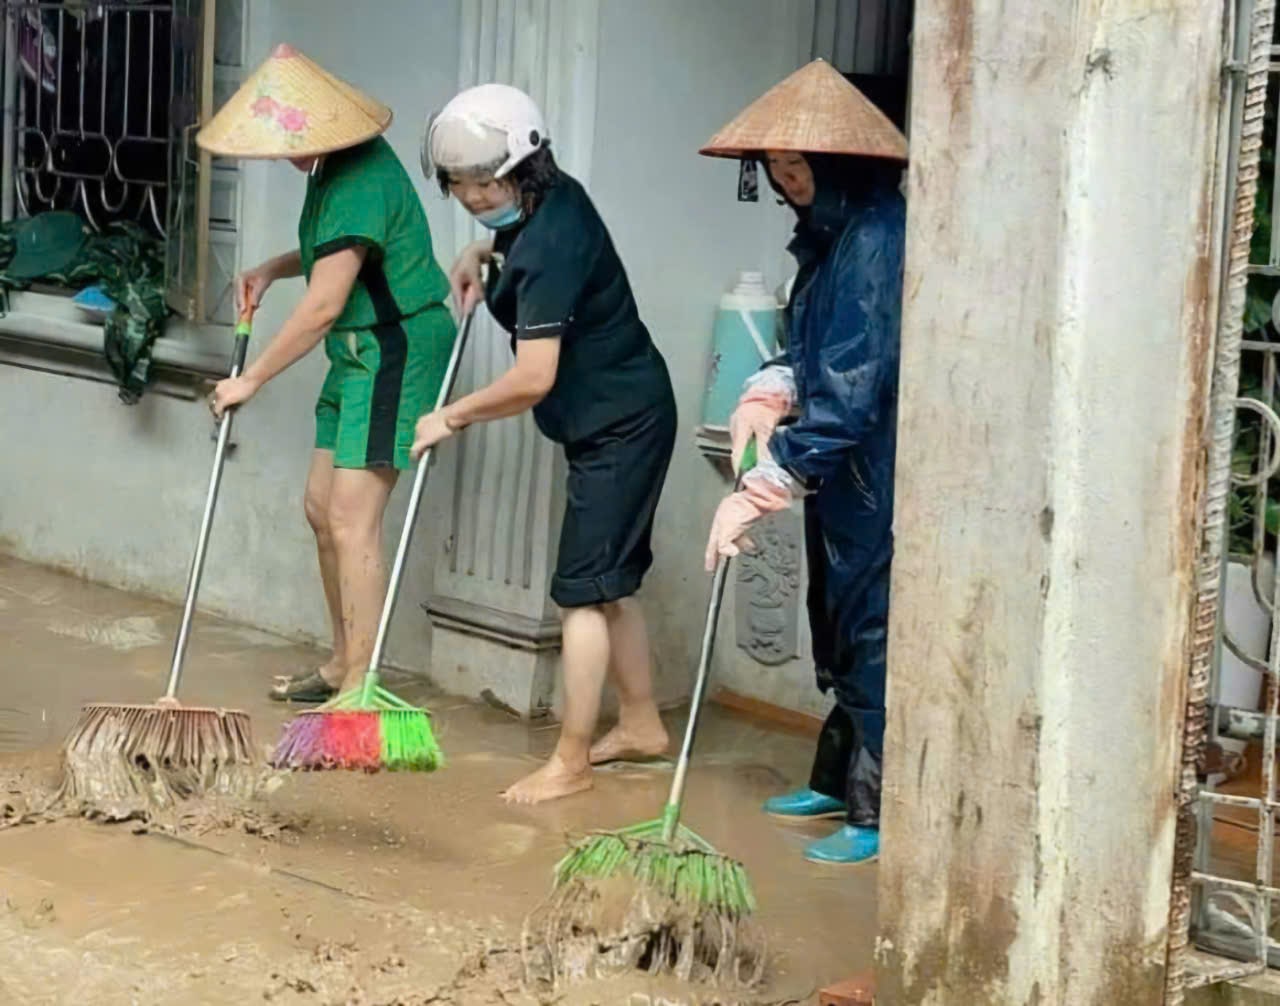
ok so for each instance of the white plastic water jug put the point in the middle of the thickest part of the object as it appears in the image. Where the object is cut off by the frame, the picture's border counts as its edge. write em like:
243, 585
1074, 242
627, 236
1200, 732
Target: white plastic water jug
745, 337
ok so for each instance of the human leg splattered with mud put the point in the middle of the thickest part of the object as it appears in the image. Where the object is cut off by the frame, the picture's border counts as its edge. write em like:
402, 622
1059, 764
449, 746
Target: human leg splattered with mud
614, 484
597, 638
316, 505
358, 509
357, 502
639, 732
586, 660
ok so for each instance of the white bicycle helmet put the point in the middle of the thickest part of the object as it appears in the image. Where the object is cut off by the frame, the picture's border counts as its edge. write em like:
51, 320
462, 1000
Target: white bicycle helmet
492, 127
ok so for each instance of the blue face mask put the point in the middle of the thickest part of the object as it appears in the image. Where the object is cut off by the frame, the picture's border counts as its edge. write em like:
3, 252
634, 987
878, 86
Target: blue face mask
502, 217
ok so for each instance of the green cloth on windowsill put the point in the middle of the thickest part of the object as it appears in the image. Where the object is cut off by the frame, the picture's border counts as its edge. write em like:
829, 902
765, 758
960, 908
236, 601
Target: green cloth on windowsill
128, 264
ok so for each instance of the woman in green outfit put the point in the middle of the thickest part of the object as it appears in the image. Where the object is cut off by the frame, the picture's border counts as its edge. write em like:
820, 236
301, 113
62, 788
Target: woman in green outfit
375, 297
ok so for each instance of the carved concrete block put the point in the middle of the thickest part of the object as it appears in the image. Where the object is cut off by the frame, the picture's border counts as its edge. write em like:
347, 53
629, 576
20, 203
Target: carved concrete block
767, 596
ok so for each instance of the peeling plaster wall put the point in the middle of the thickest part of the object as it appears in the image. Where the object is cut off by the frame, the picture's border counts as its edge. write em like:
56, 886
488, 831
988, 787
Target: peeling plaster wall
1055, 342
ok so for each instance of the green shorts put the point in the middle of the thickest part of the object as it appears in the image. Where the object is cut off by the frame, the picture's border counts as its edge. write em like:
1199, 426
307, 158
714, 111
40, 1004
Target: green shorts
380, 382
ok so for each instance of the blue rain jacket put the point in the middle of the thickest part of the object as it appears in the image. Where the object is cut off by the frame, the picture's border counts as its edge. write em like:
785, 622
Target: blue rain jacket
843, 347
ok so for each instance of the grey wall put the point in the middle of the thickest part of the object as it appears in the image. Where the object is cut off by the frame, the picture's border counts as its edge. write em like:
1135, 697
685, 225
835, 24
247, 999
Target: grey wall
114, 493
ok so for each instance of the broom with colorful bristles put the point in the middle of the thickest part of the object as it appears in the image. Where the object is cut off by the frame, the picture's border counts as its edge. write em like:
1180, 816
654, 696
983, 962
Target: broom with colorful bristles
655, 895
368, 727
127, 760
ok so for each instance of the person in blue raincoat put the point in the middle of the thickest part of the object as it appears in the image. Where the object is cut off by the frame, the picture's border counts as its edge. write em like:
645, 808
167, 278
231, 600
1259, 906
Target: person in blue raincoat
825, 417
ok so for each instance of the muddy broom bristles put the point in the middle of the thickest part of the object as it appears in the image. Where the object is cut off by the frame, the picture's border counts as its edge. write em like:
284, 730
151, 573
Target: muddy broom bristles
601, 928
122, 761
126, 760
636, 900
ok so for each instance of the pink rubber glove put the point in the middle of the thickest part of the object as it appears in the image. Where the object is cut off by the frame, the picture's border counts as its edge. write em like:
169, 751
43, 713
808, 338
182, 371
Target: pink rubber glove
766, 399
757, 417
765, 489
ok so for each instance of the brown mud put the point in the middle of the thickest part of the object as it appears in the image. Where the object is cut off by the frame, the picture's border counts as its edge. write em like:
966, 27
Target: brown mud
339, 887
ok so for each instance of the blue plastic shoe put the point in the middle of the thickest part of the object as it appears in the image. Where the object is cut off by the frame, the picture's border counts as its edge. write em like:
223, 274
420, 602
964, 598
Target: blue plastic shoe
846, 847
803, 803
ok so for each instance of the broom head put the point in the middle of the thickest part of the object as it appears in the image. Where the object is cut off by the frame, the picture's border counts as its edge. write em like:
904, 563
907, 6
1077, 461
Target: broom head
688, 870
128, 760
629, 900
365, 728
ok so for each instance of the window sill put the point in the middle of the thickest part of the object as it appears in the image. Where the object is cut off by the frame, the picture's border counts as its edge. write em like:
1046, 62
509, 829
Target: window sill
48, 333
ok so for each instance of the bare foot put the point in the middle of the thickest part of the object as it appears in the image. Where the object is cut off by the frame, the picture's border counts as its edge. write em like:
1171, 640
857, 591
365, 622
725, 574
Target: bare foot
554, 780
629, 743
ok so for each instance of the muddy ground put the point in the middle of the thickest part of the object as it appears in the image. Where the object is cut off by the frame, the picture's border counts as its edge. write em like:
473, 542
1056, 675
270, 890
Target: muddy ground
340, 888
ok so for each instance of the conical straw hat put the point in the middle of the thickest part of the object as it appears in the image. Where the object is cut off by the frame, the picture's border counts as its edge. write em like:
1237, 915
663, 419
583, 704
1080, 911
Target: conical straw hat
291, 107
814, 111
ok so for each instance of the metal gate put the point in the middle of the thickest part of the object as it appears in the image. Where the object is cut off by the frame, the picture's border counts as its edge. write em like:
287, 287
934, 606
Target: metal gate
1222, 904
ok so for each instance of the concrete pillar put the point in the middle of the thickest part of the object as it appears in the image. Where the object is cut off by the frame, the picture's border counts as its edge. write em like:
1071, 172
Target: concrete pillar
1058, 324
494, 628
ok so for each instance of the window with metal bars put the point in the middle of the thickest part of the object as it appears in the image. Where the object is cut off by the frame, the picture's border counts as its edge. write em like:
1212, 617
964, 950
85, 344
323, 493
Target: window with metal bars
101, 104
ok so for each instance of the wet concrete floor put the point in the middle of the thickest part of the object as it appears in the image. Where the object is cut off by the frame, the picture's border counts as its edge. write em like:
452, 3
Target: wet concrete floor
401, 889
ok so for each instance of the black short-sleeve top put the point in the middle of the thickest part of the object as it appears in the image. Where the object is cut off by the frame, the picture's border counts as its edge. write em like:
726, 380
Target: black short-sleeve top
557, 275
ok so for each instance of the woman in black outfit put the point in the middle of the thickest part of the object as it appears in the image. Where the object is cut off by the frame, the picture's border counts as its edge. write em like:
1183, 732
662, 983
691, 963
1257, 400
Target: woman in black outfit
586, 366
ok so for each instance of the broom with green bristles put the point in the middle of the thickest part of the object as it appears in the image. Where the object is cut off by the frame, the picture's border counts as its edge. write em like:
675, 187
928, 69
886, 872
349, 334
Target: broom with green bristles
655, 895
368, 727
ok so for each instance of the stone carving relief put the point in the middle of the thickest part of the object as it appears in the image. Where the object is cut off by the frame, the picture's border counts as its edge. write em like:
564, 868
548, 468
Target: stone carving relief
767, 592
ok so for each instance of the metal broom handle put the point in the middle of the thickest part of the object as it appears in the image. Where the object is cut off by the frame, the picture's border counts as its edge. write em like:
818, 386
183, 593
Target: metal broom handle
243, 329
671, 813
415, 497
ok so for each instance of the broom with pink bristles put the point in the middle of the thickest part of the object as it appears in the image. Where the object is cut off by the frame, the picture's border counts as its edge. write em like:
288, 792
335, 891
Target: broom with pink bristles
368, 727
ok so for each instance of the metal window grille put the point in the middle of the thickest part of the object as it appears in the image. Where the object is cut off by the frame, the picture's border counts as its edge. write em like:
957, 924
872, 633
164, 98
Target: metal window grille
92, 101
101, 104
